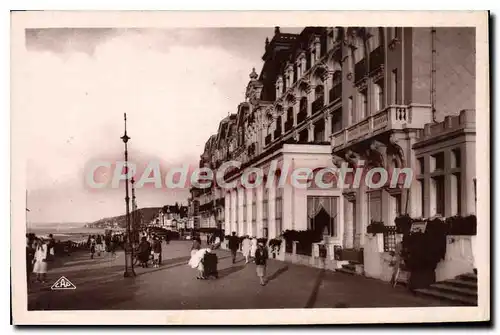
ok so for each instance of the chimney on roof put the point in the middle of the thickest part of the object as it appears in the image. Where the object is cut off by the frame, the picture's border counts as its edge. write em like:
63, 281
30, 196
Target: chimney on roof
267, 42
276, 30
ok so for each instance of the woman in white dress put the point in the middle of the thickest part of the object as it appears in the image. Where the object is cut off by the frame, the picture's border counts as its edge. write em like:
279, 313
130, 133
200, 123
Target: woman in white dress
40, 261
253, 247
196, 261
245, 248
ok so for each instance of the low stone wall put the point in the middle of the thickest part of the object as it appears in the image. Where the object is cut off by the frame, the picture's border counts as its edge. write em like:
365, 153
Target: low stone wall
458, 259
328, 263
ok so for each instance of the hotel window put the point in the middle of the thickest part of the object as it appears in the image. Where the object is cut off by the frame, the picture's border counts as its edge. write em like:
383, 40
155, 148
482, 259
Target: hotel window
322, 214
279, 210
456, 193
421, 192
378, 93
455, 158
438, 195
421, 166
319, 131
350, 111
337, 121
363, 104
437, 162
375, 205
394, 87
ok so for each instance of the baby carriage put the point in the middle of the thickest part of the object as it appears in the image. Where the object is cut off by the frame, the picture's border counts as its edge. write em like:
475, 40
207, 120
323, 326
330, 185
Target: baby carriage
210, 265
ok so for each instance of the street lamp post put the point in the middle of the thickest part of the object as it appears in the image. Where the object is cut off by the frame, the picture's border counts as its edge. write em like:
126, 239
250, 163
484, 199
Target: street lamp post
129, 264
134, 214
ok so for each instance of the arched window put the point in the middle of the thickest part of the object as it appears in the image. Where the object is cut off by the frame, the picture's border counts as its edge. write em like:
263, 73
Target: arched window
378, 95
319, 92
303, 104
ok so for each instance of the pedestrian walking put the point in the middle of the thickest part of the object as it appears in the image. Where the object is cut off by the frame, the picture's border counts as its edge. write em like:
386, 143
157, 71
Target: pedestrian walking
30, 255
396, 263
261, 256
40, 266
115, 240
98, 246
92, 245
144, 252
234, 245
156, 252
253, 247
246, 245
51, 245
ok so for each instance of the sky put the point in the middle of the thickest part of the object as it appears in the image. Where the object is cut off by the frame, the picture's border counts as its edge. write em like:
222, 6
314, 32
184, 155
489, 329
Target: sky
174, 84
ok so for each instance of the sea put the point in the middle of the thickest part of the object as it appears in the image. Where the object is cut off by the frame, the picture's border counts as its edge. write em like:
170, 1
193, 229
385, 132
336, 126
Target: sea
76, 232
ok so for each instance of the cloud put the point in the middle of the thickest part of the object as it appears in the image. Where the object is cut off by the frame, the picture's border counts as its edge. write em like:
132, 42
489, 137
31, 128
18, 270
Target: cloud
174, 98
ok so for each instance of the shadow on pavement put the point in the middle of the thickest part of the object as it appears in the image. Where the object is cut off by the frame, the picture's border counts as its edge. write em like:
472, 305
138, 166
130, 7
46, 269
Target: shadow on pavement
314, 294
278, 272
227, 271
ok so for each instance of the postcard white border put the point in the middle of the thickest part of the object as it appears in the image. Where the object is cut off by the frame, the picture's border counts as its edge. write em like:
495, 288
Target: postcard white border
158, 19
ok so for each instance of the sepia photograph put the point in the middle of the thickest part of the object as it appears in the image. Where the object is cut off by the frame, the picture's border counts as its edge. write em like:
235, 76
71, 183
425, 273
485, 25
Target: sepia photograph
211, 164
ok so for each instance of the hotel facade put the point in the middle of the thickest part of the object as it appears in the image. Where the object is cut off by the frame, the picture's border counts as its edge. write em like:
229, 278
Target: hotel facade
390, 97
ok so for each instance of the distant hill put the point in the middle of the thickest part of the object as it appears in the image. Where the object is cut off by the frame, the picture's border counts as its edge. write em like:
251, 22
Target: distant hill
148, 214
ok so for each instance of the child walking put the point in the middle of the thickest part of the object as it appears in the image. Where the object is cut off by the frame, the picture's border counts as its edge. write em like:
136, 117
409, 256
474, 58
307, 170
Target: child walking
261, 256
156, 251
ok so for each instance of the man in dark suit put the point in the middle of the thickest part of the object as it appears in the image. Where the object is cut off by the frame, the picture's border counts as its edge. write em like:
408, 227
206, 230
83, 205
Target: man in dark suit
233, 245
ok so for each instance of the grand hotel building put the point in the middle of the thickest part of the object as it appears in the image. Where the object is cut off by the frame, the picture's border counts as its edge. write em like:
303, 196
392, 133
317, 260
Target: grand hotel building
389, 96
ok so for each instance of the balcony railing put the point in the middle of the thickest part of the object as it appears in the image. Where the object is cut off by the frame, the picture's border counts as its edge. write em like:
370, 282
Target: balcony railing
335, 93
376, 59
318, 104
391, 118
251, 149
360, 70
277, 133
268, 139
288, 125
301, 116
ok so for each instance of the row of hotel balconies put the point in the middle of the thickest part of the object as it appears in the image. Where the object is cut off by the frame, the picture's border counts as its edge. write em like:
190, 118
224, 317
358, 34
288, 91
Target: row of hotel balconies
395, 117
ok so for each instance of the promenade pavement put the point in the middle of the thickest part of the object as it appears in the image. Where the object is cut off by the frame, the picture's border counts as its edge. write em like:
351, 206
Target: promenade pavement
100, 285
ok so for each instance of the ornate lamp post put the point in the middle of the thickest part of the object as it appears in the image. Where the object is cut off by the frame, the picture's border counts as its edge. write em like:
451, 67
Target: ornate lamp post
135, 215
129, 264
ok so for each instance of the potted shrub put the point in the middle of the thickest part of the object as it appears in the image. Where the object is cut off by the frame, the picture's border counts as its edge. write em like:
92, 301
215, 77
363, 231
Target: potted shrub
375, 227
423, 251
275, 245
459, 225
403, 224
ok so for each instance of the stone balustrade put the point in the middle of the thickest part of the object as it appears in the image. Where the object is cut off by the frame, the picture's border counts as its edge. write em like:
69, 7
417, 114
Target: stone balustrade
391, 118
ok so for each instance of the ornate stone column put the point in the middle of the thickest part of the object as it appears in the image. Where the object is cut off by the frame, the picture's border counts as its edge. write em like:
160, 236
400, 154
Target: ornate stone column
249, 199
259, 204
328, 127
227, 208
327, 81
310, 132
271, 212
310, 99
234, 224
241, 228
